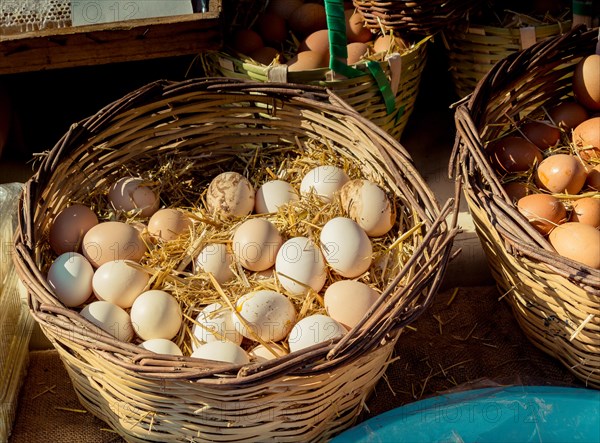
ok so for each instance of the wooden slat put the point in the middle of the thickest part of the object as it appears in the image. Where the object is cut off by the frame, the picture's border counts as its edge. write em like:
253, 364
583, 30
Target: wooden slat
111, 42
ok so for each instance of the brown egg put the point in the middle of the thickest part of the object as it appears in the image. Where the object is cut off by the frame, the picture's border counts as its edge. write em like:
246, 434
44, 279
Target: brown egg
516, 190
69, 227
347, 301
169, 224
586, 82
356, 51
130, 193
355, 30
308, 18
308, 60
386, 43
246, 41
568, 115
586, 138
255, 244
561, 173
586, 210
541, 134
284, 8
265, 55
515, 154
272, 28
593, 178
318, 41
590, 154
112, 240
543, 211
577, 241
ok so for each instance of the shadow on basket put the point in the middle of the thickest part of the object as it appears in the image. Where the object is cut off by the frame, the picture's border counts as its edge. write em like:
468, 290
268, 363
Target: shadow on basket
198, 354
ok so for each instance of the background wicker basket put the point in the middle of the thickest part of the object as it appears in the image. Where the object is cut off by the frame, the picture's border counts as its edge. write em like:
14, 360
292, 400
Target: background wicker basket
473, 49
408, 16
306, 396
555, 300
362, 92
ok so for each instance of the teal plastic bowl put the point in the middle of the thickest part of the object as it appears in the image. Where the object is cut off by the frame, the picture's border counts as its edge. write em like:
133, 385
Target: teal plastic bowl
539, 414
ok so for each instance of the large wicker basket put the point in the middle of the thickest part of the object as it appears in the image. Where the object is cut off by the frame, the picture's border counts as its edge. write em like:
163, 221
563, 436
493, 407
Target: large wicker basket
473, 49
400, 72
309, 395
555, 300
407, 16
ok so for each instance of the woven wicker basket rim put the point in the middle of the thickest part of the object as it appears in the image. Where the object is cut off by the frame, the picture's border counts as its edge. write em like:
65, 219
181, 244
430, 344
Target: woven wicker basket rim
420, 18
554, 299
468, 149
83, 136
321, 74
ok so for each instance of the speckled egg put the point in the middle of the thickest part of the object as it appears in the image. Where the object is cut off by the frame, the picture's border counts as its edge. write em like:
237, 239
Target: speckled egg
267, 314
230, 194
368, 205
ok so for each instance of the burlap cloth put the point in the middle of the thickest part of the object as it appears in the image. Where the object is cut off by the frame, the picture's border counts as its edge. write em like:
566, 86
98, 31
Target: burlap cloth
469, 340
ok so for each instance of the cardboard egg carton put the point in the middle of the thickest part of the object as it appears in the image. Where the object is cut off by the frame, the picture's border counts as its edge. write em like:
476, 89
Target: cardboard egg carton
32, 15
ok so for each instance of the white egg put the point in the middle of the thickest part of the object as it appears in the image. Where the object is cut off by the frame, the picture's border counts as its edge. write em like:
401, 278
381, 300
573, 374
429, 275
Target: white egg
313, 330
346, 247
347, 301
272, 195
261, 354
324, 181
224, 351
216, 259
269, 315
156, 314
215, 323
110, 318
119, 282
300, 265
70, 276
161, 346
367, 205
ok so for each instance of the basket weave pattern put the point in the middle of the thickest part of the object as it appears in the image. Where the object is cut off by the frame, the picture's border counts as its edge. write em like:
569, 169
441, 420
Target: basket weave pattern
309, 395
360, 92
474, 49
422, 17
555, 300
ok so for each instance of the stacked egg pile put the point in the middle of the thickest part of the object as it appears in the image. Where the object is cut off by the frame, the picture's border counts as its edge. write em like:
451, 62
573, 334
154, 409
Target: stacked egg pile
551, 168
259, 267
294, 32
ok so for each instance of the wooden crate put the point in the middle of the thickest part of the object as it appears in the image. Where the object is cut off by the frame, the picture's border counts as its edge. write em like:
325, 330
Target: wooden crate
104, 43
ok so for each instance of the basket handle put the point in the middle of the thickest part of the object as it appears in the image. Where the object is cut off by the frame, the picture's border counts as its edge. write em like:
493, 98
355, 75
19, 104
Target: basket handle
338, 53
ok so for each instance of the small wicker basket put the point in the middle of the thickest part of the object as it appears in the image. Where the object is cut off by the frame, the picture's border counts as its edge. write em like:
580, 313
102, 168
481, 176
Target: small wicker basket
555, 300
309, 395
473, 49
363, 92
422, 18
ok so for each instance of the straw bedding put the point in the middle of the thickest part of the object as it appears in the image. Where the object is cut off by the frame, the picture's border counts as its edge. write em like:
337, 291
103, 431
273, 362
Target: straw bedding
210, 125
